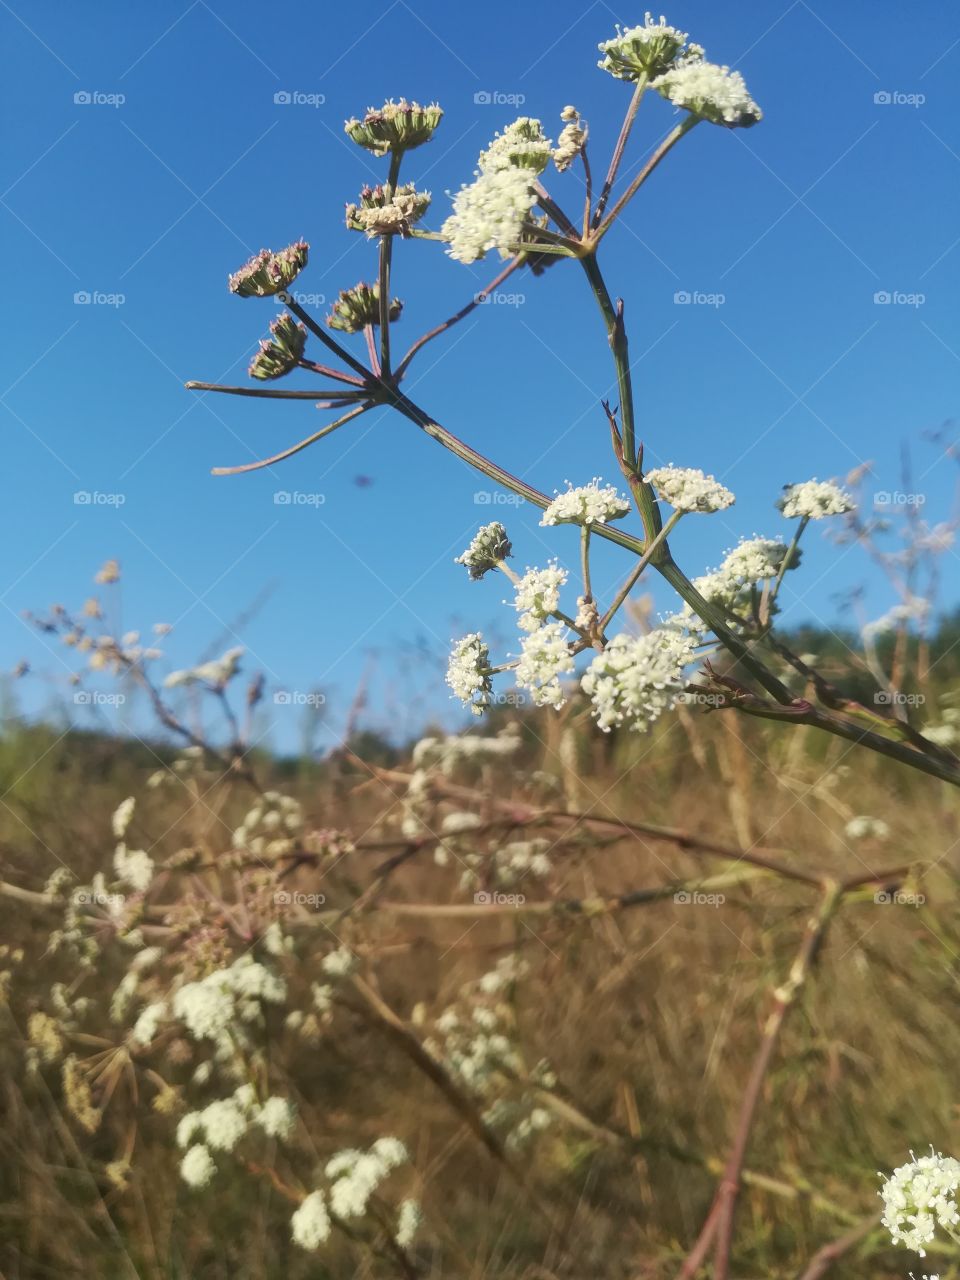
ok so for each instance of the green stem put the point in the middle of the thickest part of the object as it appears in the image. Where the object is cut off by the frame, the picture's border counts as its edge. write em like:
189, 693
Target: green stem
786, 562
619, 148
634, 575
279, 393
386, 253
585, 560
664, 148
318, 332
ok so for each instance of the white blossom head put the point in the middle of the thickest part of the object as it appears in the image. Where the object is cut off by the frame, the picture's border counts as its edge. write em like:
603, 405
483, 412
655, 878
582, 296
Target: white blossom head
197, 1166
538, 595
545, 657
572, 140
709, 91
863, 827
919, 1197
815, 499
647, 50
489, 213
688, 489
587, 504
468, 672
636, 678
489, 548
310, 1225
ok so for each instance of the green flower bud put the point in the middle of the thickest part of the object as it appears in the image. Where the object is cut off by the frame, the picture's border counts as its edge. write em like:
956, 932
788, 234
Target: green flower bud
382, 211
268, 273
648, 50
280, 353
396, 126
355, 308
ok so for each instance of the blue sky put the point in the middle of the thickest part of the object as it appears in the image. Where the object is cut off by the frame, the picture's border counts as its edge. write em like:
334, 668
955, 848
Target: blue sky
798, 223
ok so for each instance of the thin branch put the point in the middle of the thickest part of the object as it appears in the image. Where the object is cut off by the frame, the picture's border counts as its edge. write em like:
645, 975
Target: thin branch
302, 444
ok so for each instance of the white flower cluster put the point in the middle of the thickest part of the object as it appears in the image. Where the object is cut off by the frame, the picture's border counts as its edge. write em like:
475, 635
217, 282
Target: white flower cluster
489, 213
913, 609
447, 754
468, 672
635, 679
863, 827
920, 1196
572, 139
489, 547
712, 92
815, 499
134, 868
219, 672
647, 50
212, 1006
538, 595
271, 826
688, 489
752, 560
353, 1178
221, 1125
122, 816
588, 504
545, 657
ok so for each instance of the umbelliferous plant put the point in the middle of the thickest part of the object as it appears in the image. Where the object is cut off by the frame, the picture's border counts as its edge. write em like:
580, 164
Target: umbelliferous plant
508, 210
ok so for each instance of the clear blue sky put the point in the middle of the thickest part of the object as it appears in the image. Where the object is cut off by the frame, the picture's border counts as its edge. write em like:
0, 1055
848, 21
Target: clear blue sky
798, 223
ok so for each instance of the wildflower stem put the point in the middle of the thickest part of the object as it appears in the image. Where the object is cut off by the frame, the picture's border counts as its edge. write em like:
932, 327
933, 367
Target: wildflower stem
619, 148
588, 196
585, 559
280, 393
296, 448
318, 332
785, 563
474, 302
550, 206
667, 145
637, 570
329, 372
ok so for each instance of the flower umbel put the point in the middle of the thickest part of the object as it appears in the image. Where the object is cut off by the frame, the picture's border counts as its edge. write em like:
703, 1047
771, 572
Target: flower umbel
396, 126
711, 92
268, 273
636, 679
545, 657
648, 50
919, 1197
468, 672
489, 547
282, 351
383, 211
588, 504
688, 489
815, 499
355, 308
